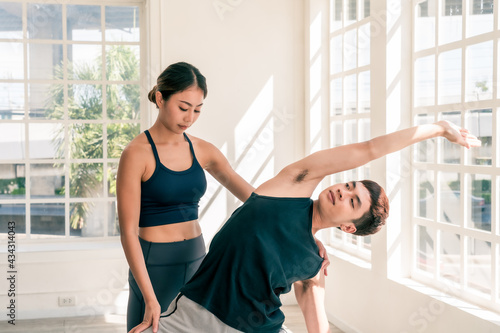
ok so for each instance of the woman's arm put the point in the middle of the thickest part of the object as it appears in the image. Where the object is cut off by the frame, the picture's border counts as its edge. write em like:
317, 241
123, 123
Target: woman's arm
310, 295
219, 167
330, 161
128, 187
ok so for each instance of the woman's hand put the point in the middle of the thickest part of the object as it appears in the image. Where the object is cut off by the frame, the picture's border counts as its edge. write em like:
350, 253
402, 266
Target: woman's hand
323, 254
458, 135
151, 318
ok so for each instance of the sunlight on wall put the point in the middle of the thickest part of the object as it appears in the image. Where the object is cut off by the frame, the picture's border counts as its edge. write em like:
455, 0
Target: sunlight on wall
212, 204
254, 137
315, 71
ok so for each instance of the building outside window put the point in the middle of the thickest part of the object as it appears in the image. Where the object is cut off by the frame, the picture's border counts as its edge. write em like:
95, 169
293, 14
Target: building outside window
69, 103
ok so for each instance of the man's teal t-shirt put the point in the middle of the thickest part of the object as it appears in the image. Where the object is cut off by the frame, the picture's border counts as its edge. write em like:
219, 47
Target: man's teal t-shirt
264, 247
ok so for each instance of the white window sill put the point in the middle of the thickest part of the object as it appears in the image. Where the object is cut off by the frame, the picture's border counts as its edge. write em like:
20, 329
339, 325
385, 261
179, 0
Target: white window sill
451, 300
68, 244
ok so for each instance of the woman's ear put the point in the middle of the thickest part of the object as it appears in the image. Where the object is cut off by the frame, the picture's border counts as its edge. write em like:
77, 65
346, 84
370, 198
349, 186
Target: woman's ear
159, 99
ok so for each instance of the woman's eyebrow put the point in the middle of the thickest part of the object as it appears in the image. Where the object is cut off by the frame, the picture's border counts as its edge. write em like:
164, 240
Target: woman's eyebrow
191, 104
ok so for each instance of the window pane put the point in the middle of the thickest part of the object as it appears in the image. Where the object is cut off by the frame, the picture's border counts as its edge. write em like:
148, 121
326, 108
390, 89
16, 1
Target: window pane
449, 262
86, 141
336, 6
122, 24
11, 101
364, 92
11, 141
119, 135
84, 23
46, 140
44, 61
112, 169
366, 8
364, 127
47, 180
87, 219
336, 54
364, 135
351, 132
479, 266
122, 63
85, 101
11, 60
426, 204
12, 213
479, 72
12, 181
479, 202
351, 240
450, 22
366, 242
364, 45
85, 62
44, 21
350, 94
450, 152
113, 225
425, 25
123, 101
424, 81
480, 18
450, 77
425, 249
449, 198
11, 18
47, 219
480, 123
45, 101
424, 151
336, 133
85, 180
351, 11
350, 47
336, 97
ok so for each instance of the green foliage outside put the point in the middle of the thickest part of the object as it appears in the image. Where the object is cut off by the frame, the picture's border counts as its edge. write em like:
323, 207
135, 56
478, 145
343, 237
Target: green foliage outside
86, 139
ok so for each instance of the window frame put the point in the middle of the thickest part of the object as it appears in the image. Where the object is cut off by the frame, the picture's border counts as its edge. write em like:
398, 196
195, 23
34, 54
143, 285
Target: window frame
108, 201
463, 169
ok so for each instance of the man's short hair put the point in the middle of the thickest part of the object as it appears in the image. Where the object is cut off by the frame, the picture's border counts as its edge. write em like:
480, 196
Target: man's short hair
373, 220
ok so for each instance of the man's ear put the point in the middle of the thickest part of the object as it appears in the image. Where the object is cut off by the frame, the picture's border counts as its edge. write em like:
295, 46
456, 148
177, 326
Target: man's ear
348, 228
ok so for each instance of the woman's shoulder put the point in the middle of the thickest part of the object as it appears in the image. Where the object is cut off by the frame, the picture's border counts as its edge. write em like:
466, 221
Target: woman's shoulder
138, 147
203, 145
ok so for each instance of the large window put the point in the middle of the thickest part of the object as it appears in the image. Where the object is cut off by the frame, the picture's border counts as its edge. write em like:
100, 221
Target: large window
456, 191
350, 95
69, 103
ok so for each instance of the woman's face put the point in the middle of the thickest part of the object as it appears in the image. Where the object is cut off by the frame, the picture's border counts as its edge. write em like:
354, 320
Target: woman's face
181, 110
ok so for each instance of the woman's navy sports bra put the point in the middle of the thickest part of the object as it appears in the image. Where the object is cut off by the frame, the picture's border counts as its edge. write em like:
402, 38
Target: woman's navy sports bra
169, 196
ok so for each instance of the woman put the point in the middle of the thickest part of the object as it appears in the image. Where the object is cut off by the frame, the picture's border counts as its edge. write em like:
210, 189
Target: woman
159, 184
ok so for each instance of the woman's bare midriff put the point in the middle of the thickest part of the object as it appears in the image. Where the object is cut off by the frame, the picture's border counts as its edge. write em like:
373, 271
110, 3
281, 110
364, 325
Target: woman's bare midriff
171, 232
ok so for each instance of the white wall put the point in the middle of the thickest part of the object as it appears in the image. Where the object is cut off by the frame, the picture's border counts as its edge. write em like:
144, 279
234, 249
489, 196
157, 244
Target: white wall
251, 53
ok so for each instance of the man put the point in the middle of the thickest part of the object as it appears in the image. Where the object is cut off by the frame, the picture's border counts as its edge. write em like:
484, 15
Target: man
268, 243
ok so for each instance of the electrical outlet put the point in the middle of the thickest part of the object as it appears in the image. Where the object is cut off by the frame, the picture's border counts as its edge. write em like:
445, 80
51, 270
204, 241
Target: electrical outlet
67, 300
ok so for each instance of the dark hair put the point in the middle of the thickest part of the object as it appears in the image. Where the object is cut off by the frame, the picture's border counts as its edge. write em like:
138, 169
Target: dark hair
177, 78
373, 220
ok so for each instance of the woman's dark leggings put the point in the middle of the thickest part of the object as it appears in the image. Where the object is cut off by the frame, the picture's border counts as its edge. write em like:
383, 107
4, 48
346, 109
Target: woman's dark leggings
170, 266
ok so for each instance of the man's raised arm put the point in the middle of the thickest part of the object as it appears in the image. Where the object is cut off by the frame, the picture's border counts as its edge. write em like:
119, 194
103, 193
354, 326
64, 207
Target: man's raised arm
329, 161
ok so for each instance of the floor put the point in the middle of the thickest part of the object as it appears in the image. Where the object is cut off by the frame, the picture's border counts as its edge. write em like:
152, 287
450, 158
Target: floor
111, 324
